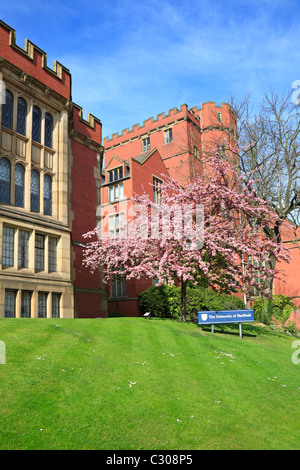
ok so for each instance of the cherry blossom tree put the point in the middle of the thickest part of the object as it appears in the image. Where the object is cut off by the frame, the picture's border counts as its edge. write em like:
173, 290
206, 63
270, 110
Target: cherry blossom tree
211, 230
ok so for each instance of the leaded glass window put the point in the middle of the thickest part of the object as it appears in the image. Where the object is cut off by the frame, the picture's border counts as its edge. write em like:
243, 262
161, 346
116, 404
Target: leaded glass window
35, 191
56, 305
7, 110
39, 252
10, 303
36, 124
5, 180
52, 254
26, 304
42, 304
21, 116
8, 246
47, 195
23, 249
118, 285
48, 130
19, 185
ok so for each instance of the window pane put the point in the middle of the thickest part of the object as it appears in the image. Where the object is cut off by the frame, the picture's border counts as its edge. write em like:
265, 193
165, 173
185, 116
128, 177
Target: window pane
111, 194
35, 191
21, 116
36, 124
7, 110
39, 252
52, 254
23, 249
121, 191
10, 303
56, 305
48, 130
42, 305
19, 185
5, 180
8, 246
47, 195
26, 304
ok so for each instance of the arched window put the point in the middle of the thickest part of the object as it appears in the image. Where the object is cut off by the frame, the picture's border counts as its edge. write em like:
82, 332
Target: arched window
19, 185
7, 110
21, 116
47, 195
36, 124
48, 130
35, 191
5, 180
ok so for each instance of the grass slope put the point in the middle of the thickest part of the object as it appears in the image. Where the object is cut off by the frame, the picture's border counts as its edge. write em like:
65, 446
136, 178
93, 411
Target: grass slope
131, 383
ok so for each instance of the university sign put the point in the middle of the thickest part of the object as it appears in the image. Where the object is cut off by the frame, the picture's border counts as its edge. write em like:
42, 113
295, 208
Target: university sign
225, 316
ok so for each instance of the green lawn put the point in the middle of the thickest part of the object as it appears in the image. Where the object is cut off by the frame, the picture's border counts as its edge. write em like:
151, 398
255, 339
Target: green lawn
131, 383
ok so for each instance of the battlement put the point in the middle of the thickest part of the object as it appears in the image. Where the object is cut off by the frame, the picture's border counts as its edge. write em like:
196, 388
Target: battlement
150, 124
195, 114
33, 61
90, 130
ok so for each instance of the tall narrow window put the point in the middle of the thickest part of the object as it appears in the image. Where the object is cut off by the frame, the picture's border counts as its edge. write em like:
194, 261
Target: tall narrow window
26, 304
116, 225
48, 130
157, 190
168, 136
35, 191
21, 116
42, 304
19, 185
39, 252
8, 246
47, 195
146, 144
52, 254
5, 180
36, 124
116, 192
118, 285
23, 249
7, 110
10, 303
56, 305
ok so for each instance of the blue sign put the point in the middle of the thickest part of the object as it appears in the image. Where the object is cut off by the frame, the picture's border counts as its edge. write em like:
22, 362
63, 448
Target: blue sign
225, 316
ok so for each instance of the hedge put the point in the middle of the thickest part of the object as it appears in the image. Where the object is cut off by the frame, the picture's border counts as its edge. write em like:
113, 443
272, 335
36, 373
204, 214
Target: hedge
164, 301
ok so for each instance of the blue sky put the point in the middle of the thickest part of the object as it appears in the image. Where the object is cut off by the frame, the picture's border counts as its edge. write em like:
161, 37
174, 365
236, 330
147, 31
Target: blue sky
133, 59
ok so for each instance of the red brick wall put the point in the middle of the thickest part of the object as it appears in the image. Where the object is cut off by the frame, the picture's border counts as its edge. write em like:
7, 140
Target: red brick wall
83, 206
290, 273
33, 66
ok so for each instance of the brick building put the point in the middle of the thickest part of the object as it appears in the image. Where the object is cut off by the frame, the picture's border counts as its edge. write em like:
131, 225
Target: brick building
173, 144
49, 156
53, 179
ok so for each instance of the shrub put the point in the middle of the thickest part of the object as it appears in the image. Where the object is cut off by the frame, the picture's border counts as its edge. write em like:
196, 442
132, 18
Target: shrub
279, 309
291, 328
158, 301
164, 301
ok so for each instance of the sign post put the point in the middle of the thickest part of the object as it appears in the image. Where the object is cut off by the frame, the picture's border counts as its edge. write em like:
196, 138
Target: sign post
225, 316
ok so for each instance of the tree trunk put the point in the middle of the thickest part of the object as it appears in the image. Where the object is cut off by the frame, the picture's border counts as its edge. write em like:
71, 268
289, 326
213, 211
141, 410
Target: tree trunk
183, 301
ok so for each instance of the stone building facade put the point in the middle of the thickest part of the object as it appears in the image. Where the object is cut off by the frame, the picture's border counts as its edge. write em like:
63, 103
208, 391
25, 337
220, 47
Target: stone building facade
49, 156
